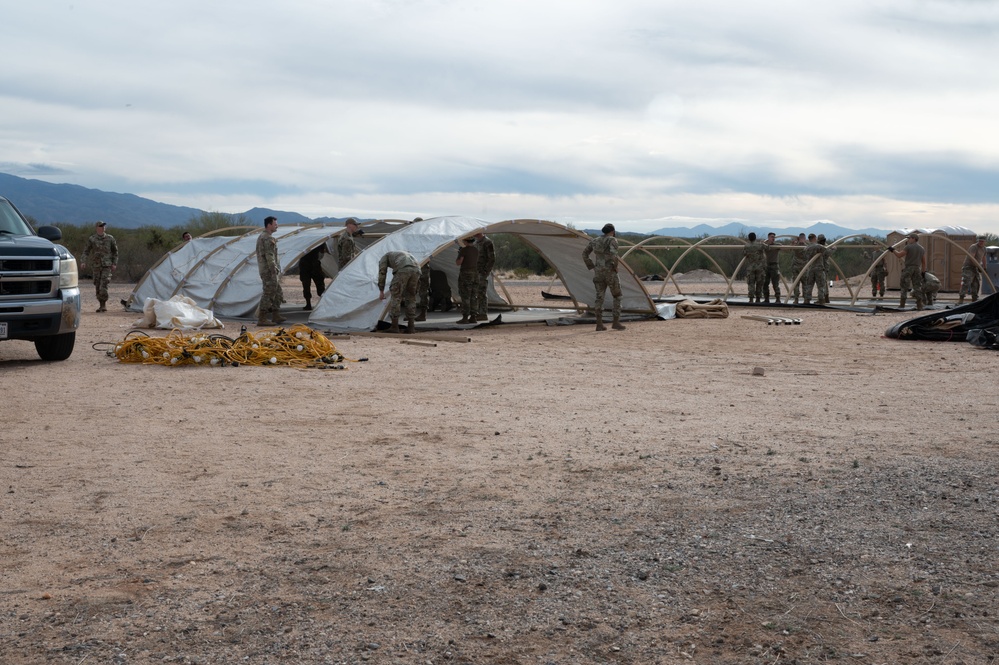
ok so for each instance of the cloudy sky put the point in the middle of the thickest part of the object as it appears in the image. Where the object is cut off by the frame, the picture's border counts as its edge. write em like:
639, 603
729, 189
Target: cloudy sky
648, 113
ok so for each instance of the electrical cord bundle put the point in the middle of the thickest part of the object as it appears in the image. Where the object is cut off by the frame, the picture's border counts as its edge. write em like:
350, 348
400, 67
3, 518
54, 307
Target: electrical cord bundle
296, 346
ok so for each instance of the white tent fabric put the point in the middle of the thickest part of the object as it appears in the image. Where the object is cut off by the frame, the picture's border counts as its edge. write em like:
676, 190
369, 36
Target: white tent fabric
351, 302
219, 273
178, 313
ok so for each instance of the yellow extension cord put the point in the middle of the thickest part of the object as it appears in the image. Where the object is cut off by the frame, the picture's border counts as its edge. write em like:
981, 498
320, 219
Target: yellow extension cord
295, 346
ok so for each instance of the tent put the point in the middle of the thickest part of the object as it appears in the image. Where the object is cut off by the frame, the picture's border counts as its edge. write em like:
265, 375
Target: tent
219, 273
351, 302
952, 325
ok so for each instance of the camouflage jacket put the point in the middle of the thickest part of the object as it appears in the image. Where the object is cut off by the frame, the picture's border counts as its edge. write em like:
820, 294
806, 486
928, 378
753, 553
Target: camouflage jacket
267, 255
102, 250
604, 250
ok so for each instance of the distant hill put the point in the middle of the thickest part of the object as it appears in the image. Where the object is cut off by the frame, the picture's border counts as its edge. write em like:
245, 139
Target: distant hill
49, 203
737, 229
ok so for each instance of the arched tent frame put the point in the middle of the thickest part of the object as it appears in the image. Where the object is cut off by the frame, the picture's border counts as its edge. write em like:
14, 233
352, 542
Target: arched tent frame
705, 246
351, 303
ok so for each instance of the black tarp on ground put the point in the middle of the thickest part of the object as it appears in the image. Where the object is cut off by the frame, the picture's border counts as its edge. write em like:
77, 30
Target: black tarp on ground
951, 325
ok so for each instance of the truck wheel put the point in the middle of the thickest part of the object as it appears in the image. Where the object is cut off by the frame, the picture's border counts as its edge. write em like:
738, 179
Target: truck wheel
56, 347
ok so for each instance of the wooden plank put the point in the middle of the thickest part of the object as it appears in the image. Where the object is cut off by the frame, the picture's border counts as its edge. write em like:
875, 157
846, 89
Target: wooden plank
417, 342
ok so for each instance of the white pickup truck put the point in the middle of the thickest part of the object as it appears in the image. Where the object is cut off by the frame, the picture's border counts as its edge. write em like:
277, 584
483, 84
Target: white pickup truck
39, 288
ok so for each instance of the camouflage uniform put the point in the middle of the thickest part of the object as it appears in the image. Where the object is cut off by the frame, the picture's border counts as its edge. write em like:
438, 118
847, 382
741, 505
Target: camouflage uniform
971, 278
270, 274
487, 259
346, 249
912, 273
879, 272
771, 277
797, 264
101, 255
310, 271
468, 282
424, 290
756, 269
931, 286
605, 275
815, 275
405, 282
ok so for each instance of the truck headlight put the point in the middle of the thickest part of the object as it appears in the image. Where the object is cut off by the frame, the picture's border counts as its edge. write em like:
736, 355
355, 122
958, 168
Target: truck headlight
68, 275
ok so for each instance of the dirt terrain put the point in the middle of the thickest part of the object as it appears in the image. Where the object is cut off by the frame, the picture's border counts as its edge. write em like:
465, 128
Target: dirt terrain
537, 495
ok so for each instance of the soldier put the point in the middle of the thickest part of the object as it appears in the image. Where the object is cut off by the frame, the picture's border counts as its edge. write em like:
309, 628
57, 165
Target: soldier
487, 259
971, 278
913, 267
346, 248
405, 286
468, 280
797, 263
815, 273
931, 286
424, 292
185, 236
823, 276
269, 268
310, 271
605, 275
756, 268
102, 256
879, 273
771, 276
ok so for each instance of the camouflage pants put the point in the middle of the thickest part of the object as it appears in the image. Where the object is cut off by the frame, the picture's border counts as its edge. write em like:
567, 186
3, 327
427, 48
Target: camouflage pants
878, 282
816, 278
603, 280
424, 290
912, 280
272, 296
755, 278
468, 284
482, 297
772, 279
102, 277
404, 289
799, 284
971, 282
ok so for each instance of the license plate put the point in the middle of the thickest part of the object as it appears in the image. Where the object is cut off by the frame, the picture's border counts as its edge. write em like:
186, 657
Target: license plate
3, 330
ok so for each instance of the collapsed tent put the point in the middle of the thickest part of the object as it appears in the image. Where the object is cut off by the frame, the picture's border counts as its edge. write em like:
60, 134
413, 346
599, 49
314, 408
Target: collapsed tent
351, 302
952, 325
219, 273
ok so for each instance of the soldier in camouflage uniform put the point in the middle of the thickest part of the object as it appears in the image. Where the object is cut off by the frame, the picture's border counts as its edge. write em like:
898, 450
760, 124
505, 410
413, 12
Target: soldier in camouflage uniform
756, 268
346, 248
815, 273
101, 254
931, 286
269, 268
404, 288
772, 275
423, 300
823, 285
879, 273
468, 280
604, 250
487, 259
971, 278
797, 263
913, 267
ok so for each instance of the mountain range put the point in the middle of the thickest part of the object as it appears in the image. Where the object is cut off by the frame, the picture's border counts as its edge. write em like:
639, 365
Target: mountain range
49, 203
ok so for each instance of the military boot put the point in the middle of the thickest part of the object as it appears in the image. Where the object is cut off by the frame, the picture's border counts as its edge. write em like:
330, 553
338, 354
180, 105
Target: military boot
463, 320
103, 307
960, 300
308, 306
901, 300
411, 326
277, 317
422, 316
616, 324
263, 321
600, 322
394, 328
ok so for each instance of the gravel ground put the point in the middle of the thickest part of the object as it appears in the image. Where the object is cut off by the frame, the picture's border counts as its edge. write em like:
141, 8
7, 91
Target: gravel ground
538, 495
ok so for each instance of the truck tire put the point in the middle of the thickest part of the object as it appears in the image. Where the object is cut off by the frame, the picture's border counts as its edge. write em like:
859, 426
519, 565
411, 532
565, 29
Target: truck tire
56, 347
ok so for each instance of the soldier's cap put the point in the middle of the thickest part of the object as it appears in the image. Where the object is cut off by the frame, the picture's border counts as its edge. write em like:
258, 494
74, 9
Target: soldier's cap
469, 239
351, 220
980, 238
607, 228
101, 224
913, 234
822, 236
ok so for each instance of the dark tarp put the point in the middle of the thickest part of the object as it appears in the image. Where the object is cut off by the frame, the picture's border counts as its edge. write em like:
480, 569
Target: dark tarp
952, 325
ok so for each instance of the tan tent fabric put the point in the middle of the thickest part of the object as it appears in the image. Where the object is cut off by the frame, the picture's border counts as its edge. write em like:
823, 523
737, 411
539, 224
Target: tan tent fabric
688, 309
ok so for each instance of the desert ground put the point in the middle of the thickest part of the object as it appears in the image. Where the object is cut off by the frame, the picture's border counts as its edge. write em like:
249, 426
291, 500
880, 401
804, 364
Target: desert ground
539, 494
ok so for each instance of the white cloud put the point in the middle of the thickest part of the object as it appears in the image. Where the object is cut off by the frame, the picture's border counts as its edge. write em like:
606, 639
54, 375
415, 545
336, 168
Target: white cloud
862, 113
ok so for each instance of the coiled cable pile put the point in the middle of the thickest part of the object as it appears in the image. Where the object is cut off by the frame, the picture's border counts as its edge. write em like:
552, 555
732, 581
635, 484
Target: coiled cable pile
295, 346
